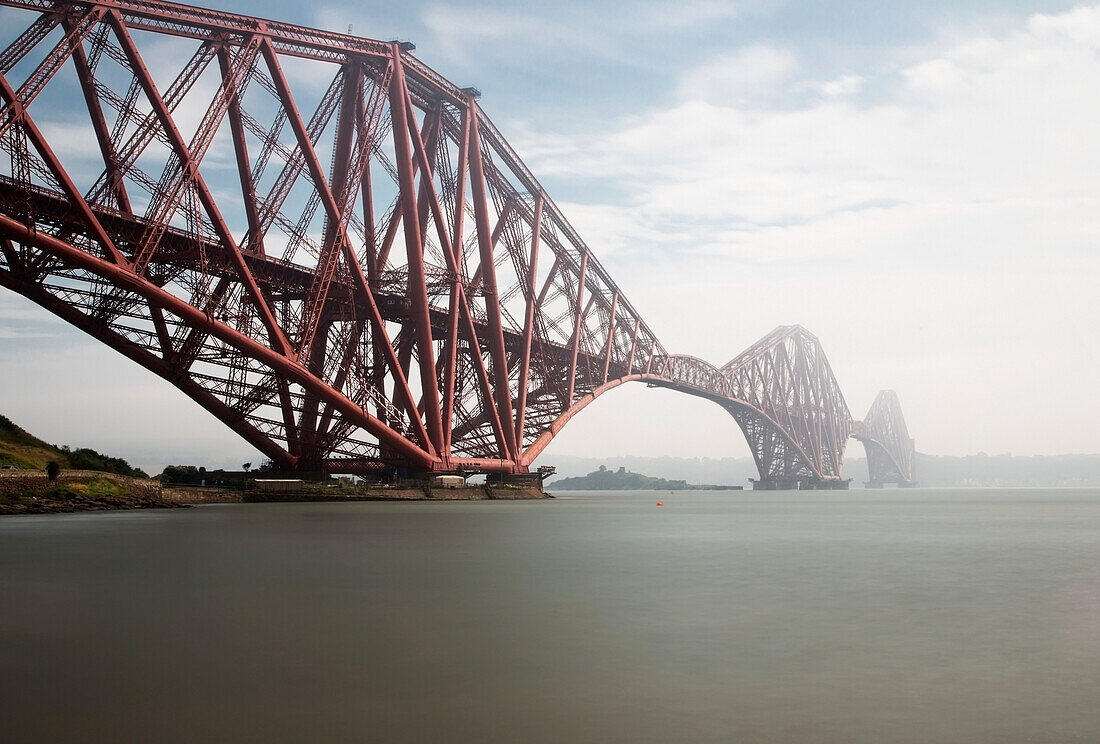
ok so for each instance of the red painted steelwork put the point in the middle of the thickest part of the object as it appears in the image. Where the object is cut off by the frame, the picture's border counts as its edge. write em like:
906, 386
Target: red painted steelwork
782, 393
890, 450
796, 421
267, 290
199, 233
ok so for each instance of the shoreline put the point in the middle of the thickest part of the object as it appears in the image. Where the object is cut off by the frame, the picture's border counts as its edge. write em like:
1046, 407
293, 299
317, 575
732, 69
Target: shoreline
31, 492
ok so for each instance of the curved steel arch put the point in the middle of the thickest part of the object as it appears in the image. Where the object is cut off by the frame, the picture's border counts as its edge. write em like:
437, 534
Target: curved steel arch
783, 396
696, 377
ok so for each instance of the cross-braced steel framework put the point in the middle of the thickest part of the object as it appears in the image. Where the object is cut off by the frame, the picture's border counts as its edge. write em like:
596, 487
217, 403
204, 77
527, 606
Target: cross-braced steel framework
783, 395
331, 248
796, 420
890, 450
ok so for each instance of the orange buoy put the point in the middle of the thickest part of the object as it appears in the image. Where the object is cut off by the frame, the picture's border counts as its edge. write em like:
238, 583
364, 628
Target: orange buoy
659, 504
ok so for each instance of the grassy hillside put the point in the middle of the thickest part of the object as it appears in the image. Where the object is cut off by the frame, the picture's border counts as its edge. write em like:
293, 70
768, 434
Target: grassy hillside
24, 450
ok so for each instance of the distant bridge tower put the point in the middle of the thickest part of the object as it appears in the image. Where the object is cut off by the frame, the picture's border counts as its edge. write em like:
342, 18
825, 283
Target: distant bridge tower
791, 410
890, 451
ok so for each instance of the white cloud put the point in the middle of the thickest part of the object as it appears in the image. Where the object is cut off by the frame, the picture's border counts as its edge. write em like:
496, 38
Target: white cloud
20, 319
615, 230
679, 16
1007, 121
460, 33
843, 86
14, 308
339, 19
755, 73
939, 235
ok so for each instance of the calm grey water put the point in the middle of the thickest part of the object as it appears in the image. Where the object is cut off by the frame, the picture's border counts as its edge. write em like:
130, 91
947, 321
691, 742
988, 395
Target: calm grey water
865, 616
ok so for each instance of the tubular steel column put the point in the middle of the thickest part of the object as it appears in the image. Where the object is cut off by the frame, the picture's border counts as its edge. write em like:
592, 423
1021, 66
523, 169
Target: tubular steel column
577, 326
414, 246
528, 320
501, 383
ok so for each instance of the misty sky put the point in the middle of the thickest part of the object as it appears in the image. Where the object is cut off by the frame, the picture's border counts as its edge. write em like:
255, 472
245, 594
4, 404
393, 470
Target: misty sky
918, 184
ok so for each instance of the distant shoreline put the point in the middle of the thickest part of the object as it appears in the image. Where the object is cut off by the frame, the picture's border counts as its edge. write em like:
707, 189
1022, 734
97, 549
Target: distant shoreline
655, 489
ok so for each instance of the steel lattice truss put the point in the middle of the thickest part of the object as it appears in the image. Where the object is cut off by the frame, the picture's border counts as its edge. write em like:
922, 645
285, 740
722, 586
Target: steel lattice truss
332, 249
785, 378
313, 235
890, 451
783, 395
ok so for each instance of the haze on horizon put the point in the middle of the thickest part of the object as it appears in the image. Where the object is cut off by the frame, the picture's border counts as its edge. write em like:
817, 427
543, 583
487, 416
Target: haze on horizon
914, 183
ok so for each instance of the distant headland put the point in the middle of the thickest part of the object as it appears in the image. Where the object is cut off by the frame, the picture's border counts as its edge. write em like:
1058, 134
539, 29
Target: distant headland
624, 480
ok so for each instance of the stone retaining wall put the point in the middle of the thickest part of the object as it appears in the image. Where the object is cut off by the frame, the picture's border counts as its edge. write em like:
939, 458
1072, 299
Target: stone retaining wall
14, 483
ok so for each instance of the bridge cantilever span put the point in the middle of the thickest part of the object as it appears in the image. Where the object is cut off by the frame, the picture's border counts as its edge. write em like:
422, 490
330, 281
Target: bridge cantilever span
890, 450
357, 275
782, 393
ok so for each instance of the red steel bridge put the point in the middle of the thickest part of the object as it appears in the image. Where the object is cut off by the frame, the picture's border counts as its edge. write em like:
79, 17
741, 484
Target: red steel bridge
334, 251
890, 451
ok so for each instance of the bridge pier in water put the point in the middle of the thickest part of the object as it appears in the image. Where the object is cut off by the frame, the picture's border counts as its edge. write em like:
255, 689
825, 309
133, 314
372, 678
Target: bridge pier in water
800, 484
520, 480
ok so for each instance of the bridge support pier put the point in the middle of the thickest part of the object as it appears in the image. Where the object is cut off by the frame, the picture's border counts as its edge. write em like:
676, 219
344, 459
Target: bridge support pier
520, 480
837, 484
775, 484
796, 484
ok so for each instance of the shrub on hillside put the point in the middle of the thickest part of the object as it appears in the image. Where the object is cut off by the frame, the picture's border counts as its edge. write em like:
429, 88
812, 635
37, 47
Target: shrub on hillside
88, 459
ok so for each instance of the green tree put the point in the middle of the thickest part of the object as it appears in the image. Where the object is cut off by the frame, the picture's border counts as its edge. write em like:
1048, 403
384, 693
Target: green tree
180, 474
85, 458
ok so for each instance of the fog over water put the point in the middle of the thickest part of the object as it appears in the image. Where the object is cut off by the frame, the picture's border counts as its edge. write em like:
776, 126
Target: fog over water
870, 616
